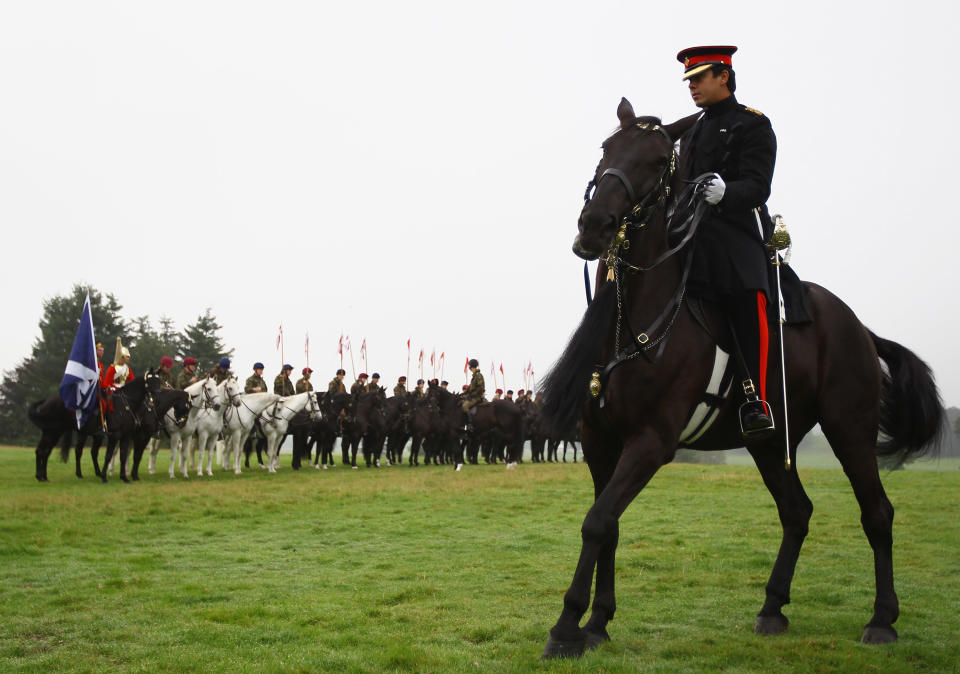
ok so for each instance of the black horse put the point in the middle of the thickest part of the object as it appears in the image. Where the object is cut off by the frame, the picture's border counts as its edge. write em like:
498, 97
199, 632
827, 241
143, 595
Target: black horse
648, 385
57, 425
125, 408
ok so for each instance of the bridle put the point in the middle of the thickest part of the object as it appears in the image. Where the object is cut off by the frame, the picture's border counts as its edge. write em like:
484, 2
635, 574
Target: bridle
644, 207
635, 219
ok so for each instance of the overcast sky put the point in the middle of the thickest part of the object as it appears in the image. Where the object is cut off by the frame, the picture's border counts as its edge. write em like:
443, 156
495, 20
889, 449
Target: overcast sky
415, 170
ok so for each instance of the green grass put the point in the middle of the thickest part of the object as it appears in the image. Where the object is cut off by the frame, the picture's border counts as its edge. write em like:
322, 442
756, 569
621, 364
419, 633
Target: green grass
430, 570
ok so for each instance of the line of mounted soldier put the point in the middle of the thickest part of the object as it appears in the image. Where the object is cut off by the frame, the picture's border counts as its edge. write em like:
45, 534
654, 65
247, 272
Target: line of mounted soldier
446, 427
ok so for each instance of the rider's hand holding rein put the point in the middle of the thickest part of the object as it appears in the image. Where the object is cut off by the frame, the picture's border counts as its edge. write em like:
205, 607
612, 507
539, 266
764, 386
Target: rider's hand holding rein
713, 190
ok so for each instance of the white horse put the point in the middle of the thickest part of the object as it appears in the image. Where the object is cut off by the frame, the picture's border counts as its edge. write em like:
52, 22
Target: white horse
209, 425
275, 419
241, 411
202, 396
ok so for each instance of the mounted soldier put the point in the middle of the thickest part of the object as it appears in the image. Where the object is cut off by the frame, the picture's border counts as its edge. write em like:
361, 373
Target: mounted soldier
167, 380
401, 387
360, 385
282, 385
255, 383
221, 370
336, 384
303, 384
737, 145
474, 395
188, 374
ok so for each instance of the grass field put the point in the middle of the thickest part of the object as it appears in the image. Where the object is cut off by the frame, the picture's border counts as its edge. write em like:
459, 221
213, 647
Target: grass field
403, 569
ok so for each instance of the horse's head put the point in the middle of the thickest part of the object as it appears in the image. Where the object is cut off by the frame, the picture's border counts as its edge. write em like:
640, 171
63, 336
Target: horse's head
151, 382
632, 180
181, 407
232, 390
313, 405
210, 393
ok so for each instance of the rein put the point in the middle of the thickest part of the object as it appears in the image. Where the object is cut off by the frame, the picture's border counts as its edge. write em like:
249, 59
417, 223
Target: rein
633, 221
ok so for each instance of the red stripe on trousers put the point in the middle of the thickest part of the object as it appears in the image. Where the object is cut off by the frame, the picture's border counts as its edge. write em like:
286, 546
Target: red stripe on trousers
764, 342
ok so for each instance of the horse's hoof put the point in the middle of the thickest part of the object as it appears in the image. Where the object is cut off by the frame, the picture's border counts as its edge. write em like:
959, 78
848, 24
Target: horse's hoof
152, 471
878, 635
557, 648
594, 639
771, 625
125, 479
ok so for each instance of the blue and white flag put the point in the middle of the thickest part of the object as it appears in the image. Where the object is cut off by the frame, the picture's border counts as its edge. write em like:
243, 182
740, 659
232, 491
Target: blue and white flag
78, 390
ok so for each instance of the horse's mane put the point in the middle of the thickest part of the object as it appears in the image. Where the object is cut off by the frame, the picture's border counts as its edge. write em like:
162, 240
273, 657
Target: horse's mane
565, 388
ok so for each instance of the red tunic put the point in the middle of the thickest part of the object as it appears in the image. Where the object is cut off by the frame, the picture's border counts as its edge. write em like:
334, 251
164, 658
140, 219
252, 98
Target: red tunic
111, 372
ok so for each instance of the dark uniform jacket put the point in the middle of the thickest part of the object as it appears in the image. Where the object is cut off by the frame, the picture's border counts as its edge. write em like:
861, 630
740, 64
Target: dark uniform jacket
255, 380
303, 384
336, 386
282, 385
399, 390
738, 143
357, 388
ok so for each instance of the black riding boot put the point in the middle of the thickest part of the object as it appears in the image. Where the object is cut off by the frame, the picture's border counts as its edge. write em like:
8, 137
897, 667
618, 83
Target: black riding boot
756, 418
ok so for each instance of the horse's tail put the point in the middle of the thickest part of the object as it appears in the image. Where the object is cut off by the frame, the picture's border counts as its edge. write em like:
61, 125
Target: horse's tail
911, 411
565, 388
65, 443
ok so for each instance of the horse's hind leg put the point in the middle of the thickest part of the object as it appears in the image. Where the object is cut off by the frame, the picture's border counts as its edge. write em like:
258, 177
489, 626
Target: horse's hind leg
859, 462
795, 510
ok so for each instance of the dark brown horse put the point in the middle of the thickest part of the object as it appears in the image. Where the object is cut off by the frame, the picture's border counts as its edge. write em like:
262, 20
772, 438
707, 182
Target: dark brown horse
648, 388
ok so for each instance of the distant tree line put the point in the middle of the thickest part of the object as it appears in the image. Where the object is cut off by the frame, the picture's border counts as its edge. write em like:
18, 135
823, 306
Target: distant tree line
38, 376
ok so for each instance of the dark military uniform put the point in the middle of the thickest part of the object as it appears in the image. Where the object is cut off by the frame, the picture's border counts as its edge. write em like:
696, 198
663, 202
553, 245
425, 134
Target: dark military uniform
303, 384
357, 388
738, 143
183, 381
336, 386
399, 390
282, 385
373, 387
255, 380
474, 394
730, 261
219, 374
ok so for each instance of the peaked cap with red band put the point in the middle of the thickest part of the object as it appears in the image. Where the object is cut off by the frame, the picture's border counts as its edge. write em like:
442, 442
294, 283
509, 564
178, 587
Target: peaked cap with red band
697, 59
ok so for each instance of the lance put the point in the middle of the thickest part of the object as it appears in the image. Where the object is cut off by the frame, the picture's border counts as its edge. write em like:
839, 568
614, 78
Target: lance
408, 366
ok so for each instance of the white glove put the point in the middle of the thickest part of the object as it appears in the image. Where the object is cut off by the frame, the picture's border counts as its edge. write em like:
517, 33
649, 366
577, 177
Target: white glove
713, 192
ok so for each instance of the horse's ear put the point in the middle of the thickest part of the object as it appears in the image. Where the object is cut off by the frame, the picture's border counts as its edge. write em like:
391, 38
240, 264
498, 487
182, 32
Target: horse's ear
625, 113
681, 126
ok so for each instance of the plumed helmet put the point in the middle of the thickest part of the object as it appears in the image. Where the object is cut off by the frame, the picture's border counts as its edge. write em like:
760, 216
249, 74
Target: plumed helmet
225, 363
166, 361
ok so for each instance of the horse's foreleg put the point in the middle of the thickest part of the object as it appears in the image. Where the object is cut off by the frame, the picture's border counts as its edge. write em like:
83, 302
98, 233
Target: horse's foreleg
638, 463
795, 510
